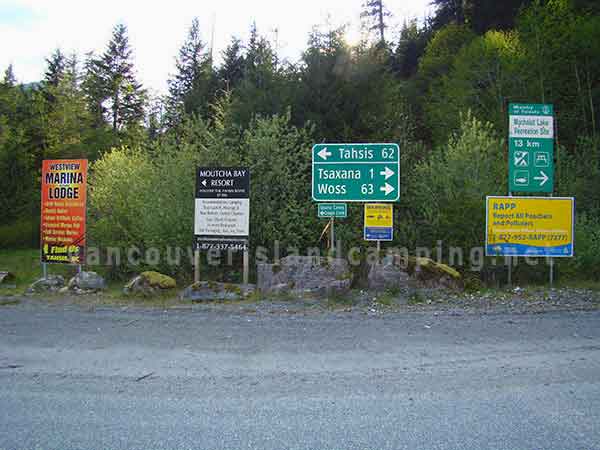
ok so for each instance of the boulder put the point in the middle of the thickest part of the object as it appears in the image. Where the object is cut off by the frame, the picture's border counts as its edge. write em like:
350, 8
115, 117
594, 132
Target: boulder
8, 280
397, 272
148, 284
204, 291
86, 282
389, 274
301, 275
52, 283
431, 274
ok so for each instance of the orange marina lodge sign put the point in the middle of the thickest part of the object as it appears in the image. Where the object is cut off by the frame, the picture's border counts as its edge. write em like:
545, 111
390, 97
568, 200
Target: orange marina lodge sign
63, 211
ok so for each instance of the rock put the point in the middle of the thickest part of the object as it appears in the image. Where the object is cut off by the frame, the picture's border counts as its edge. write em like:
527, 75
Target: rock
212, 291
149, 283
87, 282
159, 280
389, 274
300, 275
52, 283
8, 280
431, 274
399, 272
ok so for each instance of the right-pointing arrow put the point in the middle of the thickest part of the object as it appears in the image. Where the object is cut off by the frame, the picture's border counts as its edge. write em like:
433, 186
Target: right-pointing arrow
543, 178
387, 173
388, 188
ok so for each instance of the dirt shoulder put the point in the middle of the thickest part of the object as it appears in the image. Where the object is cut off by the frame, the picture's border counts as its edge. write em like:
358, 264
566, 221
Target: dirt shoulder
515, 300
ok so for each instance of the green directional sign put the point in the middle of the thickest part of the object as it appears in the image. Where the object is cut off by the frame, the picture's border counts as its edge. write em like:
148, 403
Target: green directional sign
329, 210
531, 148
356, 172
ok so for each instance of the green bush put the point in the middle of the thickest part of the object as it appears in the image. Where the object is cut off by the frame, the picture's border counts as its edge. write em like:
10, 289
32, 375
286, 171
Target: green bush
144, 198
446, 192
585, 265
24, 233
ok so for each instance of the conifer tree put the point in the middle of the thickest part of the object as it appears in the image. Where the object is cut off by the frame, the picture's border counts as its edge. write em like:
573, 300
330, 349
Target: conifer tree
192, 87
112, 85
56, 68
374, 14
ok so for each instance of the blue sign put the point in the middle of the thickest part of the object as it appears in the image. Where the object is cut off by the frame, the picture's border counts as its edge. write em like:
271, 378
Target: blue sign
379, 234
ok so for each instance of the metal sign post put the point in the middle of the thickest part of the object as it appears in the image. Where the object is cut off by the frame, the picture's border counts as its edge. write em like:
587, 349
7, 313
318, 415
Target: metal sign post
332, 244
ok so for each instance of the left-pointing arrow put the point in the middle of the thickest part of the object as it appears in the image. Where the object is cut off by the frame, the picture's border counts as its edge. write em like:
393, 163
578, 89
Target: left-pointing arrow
324, 153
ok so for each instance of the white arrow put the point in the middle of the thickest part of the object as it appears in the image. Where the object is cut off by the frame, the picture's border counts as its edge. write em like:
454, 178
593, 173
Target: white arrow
204, 183
324, 153
387, 188
543, 178
387, 172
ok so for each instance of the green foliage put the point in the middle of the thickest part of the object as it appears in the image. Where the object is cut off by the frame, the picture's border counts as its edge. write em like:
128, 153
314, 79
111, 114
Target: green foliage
24, 233
112, 86
579, 173
484, 75
442, 95
144, 199
446, 192
562, 47
193, 86
279, 161
442, 50
586, 263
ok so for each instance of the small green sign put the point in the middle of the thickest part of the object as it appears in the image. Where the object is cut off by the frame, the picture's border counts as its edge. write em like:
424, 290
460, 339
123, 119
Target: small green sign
356, 172
531, 148
328, 210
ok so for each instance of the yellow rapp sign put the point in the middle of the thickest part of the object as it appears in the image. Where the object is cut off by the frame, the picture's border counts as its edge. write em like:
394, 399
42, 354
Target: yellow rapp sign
529, 226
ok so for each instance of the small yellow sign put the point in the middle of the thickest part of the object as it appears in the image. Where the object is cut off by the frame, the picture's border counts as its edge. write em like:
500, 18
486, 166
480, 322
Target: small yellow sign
379, 215
530, 226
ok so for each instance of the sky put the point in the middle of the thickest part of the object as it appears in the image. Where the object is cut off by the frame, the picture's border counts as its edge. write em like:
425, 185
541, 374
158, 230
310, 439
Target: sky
31, 29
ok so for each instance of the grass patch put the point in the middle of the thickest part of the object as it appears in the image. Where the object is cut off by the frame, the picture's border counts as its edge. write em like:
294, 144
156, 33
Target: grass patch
386, 299
416, 298
336, 301
25, 265
592, 285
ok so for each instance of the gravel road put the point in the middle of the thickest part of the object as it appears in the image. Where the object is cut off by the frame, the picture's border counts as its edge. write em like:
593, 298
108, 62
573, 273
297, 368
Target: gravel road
131, 378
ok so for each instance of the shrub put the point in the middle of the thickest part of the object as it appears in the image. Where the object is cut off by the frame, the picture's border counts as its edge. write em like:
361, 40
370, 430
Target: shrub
586, 262
447, 191
24, 233
143, 199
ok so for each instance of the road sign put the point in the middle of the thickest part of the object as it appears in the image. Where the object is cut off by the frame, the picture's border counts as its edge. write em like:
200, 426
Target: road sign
356, 172
329, 210
379, 222
529, 226
531, 148
222, 208
63, 211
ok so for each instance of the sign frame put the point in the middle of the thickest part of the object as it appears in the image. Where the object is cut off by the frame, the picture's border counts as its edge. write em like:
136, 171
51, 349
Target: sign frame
322, 214
531, 167
525, 254
379, 232
67, 211
215, 190
359, 164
